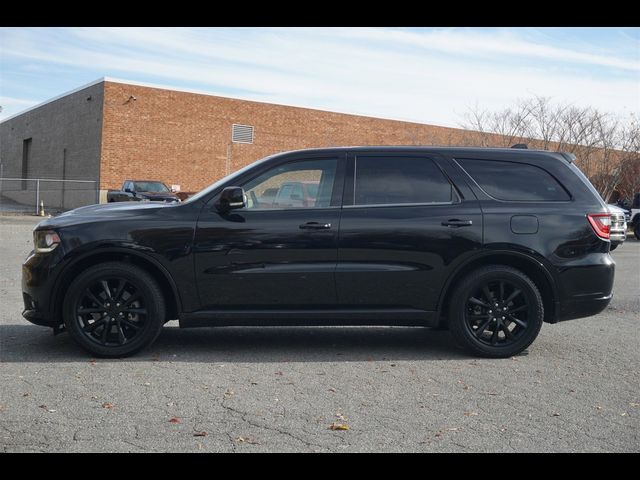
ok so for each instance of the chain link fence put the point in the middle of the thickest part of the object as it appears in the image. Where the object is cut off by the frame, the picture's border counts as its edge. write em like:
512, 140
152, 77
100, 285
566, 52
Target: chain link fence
27, 195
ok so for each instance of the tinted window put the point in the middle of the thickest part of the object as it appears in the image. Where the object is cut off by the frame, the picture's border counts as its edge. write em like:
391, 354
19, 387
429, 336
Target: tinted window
282, 186
514, 181
394, 180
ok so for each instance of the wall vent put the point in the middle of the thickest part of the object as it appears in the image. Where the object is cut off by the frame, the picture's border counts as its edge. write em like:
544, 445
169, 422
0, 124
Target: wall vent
241, 133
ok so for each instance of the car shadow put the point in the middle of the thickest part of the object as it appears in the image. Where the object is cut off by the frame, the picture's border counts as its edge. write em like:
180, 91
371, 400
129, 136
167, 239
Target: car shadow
29, 343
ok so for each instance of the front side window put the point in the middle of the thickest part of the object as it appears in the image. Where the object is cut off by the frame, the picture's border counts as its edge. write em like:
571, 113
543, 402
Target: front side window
391, 180
513, 181
299, 184
154, 187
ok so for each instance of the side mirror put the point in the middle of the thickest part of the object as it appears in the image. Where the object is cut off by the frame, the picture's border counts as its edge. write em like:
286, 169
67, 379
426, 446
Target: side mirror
128, 190
230, 199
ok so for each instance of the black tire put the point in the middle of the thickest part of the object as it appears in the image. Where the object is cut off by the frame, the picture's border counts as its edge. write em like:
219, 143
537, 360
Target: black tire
127, 328
636, 230
472, 316
613, 246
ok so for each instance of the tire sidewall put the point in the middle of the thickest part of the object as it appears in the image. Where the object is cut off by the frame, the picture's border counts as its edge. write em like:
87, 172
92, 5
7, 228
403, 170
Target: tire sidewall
463, 331
153, 303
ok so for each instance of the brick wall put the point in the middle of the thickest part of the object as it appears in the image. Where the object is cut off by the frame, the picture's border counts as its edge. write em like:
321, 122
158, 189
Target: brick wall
185, 138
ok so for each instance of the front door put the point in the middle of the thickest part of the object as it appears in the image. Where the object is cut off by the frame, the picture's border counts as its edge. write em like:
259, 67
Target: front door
280, 251
404, 227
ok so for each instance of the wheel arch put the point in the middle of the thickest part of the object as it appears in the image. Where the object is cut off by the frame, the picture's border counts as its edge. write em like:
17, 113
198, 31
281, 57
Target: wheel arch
111, 254
527, 264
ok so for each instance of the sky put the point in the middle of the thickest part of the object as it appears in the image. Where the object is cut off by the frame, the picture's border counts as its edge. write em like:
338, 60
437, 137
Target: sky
426, 75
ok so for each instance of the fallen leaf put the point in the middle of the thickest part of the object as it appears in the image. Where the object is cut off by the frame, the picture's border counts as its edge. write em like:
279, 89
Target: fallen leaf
338, 426
107, 405
470, 414
254, 383
623, 414
279, 373
26, 394
229, 393
170, 404
175, 420
556, 414
146, 384
332, 390
597, 407
341, 416
632, 404
249, 440
200, 434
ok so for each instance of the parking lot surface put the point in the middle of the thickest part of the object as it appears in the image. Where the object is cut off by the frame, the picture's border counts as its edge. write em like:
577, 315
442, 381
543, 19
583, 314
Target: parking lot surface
577, 388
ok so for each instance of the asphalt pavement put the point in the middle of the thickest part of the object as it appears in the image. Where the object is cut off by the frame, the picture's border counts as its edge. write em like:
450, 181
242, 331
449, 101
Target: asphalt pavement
577, 388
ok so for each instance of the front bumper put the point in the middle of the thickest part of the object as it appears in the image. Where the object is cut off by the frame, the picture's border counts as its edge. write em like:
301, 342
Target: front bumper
37, 289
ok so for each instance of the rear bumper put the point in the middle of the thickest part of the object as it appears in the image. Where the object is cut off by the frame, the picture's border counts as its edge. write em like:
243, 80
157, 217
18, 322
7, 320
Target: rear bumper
573, 309
587, 289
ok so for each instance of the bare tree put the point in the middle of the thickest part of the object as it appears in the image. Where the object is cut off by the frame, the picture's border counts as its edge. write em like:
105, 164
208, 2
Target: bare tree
607, 147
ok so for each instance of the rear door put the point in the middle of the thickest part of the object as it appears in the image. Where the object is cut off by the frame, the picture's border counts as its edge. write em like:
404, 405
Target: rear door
405, 225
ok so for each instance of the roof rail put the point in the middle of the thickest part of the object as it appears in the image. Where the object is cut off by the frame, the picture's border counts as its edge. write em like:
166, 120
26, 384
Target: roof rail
520, 145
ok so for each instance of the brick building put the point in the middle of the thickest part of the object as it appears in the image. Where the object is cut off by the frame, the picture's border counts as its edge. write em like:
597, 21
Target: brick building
112, 130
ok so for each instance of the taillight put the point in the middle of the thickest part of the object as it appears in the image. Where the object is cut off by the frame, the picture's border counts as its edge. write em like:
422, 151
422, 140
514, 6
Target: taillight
601, 223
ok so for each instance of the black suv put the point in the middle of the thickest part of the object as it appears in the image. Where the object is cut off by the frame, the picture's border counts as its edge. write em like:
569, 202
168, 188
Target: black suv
489, 243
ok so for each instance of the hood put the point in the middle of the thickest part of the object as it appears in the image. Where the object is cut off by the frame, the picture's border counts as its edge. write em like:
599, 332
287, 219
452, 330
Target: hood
158, 195
105, 211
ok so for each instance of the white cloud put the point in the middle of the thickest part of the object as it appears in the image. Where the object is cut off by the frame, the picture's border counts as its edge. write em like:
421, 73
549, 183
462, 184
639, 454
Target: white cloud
430, 76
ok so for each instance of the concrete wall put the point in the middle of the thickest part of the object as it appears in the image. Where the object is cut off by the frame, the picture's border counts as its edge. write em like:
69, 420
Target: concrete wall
66, 141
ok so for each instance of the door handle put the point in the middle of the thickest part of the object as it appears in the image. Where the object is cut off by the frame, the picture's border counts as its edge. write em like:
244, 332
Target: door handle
315, 226
454, 222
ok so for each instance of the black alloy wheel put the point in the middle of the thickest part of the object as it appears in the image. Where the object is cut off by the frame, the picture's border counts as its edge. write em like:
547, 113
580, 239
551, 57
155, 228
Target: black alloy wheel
496, 311
111, 311
114, 309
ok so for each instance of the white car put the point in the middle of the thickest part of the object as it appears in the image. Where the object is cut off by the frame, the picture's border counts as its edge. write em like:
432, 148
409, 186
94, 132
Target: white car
618, 230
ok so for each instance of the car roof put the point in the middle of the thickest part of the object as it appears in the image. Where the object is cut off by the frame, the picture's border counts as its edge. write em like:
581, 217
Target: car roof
450, 150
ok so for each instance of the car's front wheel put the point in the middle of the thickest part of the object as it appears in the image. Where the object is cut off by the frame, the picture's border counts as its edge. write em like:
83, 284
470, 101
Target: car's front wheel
114, 309
496, 311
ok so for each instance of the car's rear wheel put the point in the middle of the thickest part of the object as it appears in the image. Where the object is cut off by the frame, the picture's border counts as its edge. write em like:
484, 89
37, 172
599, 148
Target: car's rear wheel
114, 309
496, 311
636, 230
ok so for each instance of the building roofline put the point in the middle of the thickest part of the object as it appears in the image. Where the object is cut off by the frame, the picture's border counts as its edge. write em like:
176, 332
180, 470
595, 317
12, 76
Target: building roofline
210, 94
57, 97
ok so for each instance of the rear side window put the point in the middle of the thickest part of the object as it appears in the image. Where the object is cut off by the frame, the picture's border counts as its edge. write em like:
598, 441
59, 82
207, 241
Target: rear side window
399, 180
514, 181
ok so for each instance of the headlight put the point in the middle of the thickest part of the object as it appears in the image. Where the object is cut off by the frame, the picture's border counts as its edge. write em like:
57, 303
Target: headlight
45, 240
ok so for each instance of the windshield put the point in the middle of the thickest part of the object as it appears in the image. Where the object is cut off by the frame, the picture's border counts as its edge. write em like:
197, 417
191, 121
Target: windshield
150, 187
207, 190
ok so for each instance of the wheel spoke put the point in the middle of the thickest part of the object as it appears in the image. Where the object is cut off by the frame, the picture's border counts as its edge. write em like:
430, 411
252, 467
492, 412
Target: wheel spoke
131, 299
121, 337
494, 337
517, 321
105, 332
482, 328
129, 323
119, 290
519, 309
105, 287
507, 332
487, 293
84, 310
479, 302
89, 294
91, 327
513, 295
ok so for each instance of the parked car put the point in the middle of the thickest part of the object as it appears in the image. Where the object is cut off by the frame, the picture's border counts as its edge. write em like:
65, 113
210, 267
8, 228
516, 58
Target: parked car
142, 191
300, 194
635, 215
489, 243
618, 231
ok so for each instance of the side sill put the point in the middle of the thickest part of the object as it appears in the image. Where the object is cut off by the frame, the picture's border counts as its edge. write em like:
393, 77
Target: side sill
341, 317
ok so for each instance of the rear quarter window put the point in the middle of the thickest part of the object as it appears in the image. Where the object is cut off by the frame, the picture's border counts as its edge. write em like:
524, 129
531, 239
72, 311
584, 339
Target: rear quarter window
513, 181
